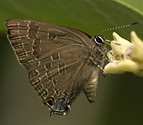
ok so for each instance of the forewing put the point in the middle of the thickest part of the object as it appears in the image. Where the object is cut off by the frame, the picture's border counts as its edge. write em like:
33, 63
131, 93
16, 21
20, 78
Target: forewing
33, 40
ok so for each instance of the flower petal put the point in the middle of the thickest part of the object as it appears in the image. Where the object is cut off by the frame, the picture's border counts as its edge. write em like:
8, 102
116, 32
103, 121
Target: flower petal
125, 56
119, 45
137, 47
112, 68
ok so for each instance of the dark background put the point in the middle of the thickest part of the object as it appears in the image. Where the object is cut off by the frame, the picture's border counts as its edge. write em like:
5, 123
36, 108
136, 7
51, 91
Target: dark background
119, 97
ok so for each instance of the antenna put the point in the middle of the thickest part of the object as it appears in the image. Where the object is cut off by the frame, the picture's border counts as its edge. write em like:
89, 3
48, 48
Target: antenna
119, 27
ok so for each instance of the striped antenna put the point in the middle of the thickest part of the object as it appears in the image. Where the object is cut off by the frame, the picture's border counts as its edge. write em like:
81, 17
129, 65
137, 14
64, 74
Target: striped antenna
119, 27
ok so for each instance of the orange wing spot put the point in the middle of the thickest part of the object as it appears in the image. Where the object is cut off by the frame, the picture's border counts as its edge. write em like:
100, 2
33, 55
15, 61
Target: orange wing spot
51, 101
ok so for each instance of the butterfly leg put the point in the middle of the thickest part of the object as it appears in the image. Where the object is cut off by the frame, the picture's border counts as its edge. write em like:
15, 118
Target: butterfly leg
99, 66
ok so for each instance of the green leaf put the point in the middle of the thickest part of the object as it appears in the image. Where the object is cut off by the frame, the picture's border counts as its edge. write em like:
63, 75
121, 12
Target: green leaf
134, 5
92, 16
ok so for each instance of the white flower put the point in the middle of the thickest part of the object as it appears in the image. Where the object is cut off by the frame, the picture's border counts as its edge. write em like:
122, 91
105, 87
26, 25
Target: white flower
125, 56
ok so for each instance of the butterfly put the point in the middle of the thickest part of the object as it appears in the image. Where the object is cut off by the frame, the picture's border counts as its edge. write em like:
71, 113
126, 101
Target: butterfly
61, 61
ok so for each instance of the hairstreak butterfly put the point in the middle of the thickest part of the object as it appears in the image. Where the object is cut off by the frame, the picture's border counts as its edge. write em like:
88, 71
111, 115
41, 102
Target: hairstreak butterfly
61, 61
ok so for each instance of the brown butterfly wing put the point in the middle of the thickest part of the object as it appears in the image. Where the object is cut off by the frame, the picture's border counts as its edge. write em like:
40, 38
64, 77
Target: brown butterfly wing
57, 59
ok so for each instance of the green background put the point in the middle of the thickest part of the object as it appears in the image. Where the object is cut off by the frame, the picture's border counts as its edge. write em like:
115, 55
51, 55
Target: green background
119, 97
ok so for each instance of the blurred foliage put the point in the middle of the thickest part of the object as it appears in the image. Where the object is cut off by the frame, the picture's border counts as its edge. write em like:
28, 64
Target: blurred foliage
119, 97
134, 5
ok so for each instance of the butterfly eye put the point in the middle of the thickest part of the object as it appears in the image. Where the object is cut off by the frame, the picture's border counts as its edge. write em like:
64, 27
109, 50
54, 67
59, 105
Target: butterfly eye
51, 101
99, 39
